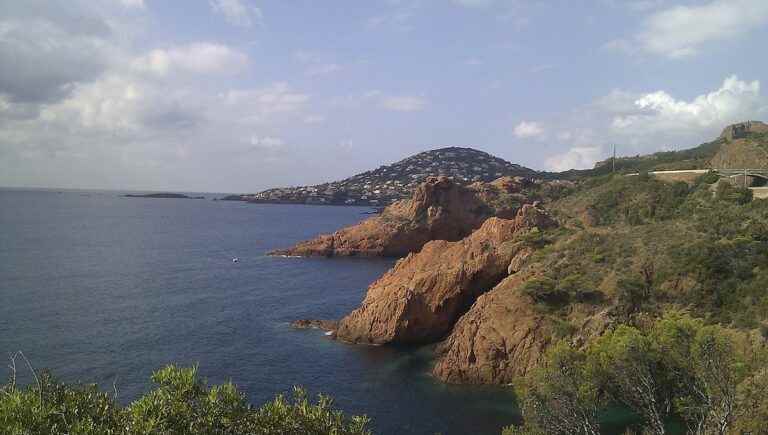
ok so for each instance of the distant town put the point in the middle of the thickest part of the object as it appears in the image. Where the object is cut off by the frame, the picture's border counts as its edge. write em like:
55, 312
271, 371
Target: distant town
390, 183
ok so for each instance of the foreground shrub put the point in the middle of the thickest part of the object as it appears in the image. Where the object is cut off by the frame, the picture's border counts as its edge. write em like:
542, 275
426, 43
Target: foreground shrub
180, 404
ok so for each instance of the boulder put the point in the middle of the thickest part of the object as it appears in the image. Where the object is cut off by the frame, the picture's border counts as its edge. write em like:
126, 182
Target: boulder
420, 299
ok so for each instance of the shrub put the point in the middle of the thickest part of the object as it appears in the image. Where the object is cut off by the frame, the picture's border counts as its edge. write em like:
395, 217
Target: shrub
180, 404
710, 177
544, 290
729, 193
677, 367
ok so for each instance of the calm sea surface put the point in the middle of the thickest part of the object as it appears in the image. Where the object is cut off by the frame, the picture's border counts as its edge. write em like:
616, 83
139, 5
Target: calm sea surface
101, 288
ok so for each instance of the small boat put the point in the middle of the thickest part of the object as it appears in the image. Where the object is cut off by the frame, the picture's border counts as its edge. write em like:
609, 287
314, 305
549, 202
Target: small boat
235, 260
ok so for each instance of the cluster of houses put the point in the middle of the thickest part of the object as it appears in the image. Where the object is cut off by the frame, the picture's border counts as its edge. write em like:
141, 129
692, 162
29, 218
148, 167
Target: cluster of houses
390, 183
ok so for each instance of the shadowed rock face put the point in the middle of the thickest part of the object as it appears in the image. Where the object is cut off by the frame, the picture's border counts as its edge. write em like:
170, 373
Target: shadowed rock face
420, 299
499, 338
438, 210
503, 337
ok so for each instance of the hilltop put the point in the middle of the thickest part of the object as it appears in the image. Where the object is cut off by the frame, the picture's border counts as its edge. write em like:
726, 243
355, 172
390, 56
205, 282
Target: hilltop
389, 183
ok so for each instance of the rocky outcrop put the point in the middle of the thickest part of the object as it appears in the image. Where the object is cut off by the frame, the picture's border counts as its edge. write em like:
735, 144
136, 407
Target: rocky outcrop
742, 129
503, 336
324, 325
499, 338
439, 209
420, 299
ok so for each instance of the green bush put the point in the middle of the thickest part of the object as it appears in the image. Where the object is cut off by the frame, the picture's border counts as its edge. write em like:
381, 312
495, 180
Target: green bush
729, 193
710, 177
677, 368
180, 404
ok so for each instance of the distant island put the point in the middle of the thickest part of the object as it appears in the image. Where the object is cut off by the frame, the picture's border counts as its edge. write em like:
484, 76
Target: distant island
163, 196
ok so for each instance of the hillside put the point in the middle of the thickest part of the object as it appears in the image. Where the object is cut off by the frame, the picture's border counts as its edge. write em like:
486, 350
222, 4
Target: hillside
389, 183
741, 145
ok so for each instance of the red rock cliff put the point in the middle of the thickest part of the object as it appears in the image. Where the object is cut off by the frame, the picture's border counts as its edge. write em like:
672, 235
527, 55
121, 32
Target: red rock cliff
420, 299
439, 210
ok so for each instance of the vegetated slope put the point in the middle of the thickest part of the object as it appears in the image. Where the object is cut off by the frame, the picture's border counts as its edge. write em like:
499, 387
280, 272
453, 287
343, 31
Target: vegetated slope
628, 250
389, 183
742, 145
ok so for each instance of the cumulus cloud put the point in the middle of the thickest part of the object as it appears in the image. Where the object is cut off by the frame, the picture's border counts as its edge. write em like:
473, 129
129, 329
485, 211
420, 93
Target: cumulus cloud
733, 101
237, 12
683, 31
80, 106
43, 57
197, 58
575, 158
653, 121
528, 129
403, 103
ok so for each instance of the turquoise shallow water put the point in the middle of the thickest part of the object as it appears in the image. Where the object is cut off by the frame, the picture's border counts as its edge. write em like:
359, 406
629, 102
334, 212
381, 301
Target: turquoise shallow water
102, 288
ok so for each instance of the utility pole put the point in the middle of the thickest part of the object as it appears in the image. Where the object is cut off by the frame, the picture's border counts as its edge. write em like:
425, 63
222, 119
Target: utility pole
614, 158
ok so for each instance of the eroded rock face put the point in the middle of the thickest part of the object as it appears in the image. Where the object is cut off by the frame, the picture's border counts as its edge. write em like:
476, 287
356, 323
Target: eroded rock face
420, 299
500, 338
440, 209
503, 336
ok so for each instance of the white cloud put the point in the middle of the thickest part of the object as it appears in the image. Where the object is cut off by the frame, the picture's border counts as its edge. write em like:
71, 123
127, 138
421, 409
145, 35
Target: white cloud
528, 129
254, 105
403, 103
575, 158
683, 31
43, 58
641, 123
734, 101
237, 12
197, 58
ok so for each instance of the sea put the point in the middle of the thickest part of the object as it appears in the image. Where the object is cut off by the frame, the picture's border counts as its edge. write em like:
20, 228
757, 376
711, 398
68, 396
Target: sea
105, 289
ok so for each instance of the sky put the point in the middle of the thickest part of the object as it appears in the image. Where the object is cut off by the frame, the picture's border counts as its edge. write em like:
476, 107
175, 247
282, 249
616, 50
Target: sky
244, 95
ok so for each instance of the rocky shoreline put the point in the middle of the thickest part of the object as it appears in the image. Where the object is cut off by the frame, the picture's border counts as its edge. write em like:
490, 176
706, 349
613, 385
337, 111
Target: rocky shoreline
463, 252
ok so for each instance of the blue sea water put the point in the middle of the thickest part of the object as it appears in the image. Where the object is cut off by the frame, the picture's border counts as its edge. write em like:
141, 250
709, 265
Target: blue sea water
102, 288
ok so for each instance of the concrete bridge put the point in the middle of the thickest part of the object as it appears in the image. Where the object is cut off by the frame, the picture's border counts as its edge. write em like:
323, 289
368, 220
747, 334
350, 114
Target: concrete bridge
762, 174
689, 175
747, 177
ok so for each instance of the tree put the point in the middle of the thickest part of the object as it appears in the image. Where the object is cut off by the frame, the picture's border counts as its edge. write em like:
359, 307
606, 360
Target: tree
752, 412
703, 370
559, 397
627, 365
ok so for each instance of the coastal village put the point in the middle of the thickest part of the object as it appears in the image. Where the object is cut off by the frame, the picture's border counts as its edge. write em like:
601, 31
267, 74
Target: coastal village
390, 183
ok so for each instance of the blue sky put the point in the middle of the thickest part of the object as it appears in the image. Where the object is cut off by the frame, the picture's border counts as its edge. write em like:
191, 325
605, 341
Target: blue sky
242, 95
